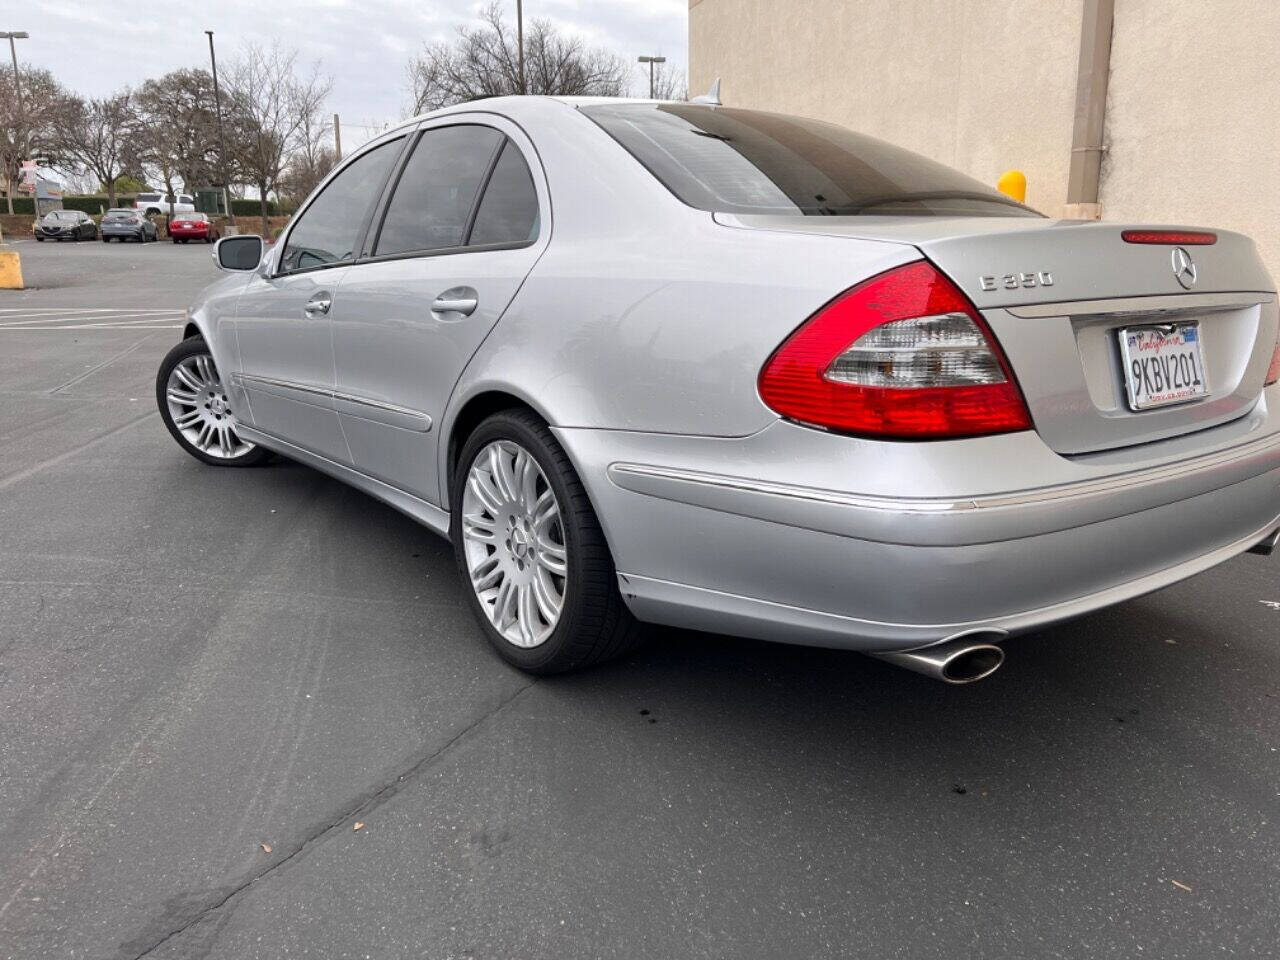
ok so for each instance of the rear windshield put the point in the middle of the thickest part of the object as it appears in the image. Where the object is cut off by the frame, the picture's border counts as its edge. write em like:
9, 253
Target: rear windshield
198, 217
148, 197
121, 212
747, 161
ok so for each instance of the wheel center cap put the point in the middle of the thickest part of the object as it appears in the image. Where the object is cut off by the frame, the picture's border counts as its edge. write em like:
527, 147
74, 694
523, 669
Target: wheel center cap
519, 543
218, 405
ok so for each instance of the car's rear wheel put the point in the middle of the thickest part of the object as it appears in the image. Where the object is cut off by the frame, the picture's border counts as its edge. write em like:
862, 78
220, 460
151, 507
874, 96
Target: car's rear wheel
541, 579
197, 410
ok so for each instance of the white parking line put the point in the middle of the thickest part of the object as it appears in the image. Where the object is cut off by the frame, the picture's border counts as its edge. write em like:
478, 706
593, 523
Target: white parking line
80, 315
89, 318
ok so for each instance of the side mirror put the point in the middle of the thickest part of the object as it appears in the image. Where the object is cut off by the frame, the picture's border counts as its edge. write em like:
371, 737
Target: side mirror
241, 252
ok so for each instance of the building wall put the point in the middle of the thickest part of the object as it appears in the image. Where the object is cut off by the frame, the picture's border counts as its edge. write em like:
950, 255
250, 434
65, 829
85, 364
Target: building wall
981, 85
1193, 114
1193, 117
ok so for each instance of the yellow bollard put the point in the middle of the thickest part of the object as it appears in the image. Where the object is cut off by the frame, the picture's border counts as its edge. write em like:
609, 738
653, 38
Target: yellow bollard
10, 270
1013, 183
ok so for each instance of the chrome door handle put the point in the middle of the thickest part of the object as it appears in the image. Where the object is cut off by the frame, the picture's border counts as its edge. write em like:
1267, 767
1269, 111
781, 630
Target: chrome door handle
461, 300
318, 305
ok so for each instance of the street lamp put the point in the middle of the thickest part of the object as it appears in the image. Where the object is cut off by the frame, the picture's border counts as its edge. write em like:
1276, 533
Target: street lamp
17, 84
520, 42
222, 140
651, 61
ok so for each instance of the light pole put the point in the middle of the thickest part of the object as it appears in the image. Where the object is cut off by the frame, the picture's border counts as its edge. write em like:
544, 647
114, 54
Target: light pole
222, 140
651, 61
520, 42
22, 110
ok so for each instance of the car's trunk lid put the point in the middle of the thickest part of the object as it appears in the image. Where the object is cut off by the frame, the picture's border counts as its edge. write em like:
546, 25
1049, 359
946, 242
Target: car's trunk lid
1057, 294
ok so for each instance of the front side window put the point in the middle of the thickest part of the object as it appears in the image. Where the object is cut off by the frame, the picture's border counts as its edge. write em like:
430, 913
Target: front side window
751, 162
329, 229
434, 196
509, 208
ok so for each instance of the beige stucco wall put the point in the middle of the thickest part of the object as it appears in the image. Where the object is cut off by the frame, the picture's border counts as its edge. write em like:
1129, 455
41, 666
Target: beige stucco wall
982, 85
1193, 117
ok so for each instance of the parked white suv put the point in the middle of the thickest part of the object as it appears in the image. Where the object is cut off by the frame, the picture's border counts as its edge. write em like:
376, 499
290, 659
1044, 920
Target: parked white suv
154, 203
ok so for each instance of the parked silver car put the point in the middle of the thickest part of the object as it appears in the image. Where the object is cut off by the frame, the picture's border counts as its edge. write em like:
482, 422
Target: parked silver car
125, 223
748, 373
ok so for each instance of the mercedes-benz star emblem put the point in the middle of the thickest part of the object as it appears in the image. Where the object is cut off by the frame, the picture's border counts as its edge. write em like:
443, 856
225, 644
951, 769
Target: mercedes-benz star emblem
1184, 268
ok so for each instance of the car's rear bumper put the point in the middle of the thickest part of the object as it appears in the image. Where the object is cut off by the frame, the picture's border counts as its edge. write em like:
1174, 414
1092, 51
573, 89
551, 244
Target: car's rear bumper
892, 545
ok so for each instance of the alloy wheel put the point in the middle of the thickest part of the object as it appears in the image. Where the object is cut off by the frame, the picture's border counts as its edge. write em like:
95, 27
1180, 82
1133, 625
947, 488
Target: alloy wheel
513, 537
201, 411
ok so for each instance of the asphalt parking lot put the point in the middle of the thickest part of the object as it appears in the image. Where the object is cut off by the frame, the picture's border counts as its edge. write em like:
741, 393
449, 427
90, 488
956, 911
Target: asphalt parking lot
210, 678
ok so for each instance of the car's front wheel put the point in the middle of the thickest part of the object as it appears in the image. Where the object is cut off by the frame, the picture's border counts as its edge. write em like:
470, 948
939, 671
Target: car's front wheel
197, 410
540, 577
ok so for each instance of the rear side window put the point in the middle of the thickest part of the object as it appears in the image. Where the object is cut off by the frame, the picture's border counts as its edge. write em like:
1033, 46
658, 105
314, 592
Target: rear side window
751, 162
434, 197
509, 209
328, 230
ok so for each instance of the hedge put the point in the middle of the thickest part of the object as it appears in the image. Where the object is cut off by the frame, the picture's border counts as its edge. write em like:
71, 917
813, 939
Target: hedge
251, 208
95, 205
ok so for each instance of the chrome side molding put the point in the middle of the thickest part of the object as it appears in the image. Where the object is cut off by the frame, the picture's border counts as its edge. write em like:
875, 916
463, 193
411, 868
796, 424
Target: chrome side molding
348, 404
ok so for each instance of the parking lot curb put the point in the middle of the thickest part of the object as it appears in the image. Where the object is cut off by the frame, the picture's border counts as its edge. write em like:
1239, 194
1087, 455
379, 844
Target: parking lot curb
10, 270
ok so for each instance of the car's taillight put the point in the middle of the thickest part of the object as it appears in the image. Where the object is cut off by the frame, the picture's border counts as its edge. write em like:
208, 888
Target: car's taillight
1273, 371
903, 355
1179, 238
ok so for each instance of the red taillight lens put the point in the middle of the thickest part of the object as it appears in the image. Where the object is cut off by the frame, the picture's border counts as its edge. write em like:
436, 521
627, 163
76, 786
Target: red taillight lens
1180, 238
904, 355
1273, 371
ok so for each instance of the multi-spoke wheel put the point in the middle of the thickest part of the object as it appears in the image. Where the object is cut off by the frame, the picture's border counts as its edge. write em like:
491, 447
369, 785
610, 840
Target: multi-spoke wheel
197, 408
514, 542
541, 578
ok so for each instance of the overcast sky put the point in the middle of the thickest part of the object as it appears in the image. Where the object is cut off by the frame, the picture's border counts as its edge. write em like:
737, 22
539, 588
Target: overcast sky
96, 47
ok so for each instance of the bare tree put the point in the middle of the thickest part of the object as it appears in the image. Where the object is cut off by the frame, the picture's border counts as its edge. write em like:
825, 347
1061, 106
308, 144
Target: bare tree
32, 133
313, 156
176, 132
95, 134
484, 62
668, 84
273, 100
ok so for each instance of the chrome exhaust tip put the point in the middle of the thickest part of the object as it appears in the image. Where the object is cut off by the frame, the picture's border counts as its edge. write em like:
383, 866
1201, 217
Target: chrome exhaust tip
964, 658
1267, 545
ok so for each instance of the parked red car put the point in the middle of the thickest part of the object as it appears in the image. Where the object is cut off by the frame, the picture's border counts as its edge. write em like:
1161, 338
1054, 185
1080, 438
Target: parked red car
192, 226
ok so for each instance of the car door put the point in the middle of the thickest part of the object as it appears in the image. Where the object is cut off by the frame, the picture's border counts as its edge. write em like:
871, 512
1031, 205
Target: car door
282, 321
465, 221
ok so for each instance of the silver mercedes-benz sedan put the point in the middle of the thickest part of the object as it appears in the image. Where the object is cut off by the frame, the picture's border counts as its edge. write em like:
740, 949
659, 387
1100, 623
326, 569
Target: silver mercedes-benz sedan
683, 364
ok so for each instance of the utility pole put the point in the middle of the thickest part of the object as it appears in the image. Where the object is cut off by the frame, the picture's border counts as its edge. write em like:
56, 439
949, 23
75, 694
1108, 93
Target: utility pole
520, 42
651, 61
337, 140
222, 140
22, 110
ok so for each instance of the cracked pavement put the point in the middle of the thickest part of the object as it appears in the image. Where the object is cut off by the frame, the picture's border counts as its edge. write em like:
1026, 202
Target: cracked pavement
195, 663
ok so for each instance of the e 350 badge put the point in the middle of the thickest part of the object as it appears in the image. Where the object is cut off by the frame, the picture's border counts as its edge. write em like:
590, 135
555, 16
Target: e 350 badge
1016, 281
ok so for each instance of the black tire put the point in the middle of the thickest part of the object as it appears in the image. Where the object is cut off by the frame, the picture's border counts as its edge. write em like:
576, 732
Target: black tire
595, 624
39, 239
191, 347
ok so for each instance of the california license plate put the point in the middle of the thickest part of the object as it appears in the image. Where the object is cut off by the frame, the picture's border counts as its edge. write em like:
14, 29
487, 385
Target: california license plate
1162, 364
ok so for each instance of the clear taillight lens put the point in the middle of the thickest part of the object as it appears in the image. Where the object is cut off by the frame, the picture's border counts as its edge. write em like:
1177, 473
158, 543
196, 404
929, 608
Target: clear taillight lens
947, 350
902, 355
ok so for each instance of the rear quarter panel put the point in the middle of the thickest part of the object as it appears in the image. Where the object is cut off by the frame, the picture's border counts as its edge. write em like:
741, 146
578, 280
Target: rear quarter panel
645, 314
